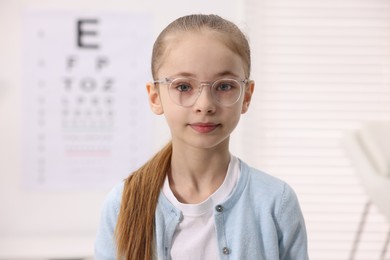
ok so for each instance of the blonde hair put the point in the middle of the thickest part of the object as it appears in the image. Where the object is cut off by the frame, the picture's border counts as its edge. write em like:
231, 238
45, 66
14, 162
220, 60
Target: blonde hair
134, 232
233, 37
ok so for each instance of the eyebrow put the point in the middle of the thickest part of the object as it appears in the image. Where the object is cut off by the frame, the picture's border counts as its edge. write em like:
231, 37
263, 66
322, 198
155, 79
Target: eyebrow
219, 74
227, 73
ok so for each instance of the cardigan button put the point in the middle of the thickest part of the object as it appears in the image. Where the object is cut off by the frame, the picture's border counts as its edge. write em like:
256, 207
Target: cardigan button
219, 208
226, 251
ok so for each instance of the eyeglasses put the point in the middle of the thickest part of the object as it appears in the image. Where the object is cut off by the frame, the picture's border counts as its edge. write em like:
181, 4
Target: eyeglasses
185, 91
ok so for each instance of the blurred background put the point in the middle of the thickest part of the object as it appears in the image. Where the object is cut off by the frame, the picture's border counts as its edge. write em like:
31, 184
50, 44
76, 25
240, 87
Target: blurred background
74, 118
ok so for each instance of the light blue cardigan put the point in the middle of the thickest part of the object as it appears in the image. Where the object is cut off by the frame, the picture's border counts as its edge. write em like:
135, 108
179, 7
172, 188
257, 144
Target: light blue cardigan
260, 220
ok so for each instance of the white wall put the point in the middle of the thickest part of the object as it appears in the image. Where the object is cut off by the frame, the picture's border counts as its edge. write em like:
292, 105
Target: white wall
34, 223
322, 70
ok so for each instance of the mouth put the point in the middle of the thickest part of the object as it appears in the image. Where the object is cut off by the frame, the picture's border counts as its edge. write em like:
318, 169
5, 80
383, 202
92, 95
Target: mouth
204, 127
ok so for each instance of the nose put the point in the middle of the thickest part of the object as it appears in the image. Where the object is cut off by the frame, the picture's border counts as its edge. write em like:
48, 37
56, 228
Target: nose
205, 102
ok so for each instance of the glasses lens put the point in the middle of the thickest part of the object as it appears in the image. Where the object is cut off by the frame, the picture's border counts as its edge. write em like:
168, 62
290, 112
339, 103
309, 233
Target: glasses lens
183, 91
226, 91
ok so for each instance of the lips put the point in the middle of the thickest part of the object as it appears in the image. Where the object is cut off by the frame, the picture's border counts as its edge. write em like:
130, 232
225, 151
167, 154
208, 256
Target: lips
204, 127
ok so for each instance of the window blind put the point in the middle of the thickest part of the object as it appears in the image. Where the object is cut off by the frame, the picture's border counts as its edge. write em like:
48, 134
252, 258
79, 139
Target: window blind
321, 68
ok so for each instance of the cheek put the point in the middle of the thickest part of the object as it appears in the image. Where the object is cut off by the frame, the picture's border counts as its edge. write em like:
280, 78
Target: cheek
236, 119
164, 97
233, 115
172, 114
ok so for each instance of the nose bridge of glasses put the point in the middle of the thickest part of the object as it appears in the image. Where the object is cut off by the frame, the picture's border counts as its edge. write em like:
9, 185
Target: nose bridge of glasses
201, 86
204, 84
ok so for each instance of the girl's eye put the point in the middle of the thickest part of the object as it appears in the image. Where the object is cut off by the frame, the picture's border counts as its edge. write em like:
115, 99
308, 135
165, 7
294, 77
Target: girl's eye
183, 87
226, 86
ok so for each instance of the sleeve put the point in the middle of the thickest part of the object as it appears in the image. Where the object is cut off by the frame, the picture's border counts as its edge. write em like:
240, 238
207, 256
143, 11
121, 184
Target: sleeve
291, 228
105, 247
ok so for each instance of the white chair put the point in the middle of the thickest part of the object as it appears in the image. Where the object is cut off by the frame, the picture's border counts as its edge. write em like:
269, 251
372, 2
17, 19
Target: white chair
369, 150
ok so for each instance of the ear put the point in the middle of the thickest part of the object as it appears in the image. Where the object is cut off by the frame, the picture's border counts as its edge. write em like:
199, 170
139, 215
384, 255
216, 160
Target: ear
247, 96
154, 98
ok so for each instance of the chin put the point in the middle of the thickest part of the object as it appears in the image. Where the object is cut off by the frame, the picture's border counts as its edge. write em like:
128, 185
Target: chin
210, 143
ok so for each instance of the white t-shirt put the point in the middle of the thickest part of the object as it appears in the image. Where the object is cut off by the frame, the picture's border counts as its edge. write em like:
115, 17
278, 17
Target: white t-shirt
195, 237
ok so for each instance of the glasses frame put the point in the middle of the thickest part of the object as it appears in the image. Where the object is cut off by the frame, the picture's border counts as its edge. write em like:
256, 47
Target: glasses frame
169, 80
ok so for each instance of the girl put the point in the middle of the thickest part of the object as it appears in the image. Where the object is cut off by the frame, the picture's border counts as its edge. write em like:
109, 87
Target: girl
194, 199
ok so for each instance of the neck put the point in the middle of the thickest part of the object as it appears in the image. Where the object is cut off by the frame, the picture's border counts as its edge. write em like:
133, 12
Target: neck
197, 173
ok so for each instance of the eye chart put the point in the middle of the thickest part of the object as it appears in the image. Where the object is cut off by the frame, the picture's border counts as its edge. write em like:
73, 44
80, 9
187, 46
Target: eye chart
86, 120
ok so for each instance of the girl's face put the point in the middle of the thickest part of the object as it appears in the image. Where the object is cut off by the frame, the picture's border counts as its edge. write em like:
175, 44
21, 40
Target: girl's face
204, 57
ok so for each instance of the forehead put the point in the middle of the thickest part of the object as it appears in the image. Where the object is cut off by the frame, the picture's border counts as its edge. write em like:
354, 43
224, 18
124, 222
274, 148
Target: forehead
203, 54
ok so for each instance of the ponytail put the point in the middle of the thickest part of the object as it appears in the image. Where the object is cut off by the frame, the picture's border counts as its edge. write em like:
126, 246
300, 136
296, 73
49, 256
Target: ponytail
134, 231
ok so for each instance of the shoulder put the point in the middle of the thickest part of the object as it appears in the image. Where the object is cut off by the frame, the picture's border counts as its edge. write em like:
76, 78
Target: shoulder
264, 182
267, 188
112, 203
105, 242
